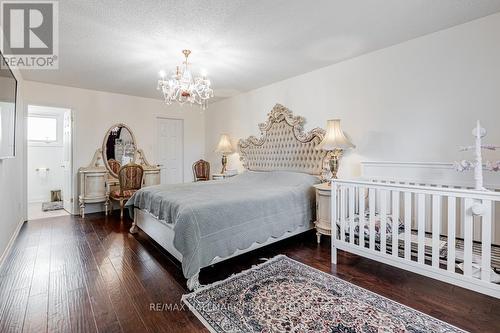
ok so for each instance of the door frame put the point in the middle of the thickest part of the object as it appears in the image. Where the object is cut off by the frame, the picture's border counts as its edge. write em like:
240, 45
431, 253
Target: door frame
182, 144
74, 196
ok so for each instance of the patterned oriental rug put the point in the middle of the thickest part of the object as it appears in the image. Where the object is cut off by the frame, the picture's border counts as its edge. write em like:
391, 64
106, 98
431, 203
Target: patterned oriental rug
283, 295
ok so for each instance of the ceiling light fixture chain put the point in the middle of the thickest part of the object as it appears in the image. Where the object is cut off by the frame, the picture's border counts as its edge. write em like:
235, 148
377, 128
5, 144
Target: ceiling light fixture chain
181, 87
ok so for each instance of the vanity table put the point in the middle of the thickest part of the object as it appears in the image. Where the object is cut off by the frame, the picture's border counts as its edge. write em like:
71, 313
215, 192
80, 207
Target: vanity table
119, 148
151, 173
100, 177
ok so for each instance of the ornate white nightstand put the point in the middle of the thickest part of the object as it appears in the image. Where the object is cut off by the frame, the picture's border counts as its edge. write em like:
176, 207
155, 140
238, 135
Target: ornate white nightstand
93, 184
219, 176
323, 197
94, 187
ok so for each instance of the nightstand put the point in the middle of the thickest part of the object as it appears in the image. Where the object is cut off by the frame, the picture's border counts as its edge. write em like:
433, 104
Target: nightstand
94, 187
323, 204
219, 176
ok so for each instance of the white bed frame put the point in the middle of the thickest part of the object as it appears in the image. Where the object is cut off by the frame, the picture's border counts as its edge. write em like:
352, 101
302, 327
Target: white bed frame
432, 210
284, 146
164, 236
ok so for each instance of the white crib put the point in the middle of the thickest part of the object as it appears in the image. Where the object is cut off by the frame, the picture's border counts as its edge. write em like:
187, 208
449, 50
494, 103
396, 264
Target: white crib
431, 229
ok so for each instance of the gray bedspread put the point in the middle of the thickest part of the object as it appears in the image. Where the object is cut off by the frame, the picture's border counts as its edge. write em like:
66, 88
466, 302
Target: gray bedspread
215, 218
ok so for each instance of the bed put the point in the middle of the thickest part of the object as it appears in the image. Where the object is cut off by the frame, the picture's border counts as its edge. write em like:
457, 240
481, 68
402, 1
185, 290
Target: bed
203, 223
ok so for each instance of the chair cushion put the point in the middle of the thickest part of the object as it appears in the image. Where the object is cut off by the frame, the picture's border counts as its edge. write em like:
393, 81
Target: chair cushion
126, 193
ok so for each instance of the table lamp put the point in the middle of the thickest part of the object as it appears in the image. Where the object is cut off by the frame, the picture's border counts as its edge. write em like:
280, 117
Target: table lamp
224, 146
335, 142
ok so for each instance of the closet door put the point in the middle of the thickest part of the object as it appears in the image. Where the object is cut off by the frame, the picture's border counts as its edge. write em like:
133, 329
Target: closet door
171, 150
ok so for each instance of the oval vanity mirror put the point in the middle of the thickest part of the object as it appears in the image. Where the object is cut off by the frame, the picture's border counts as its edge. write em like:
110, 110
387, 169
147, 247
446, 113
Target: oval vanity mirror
118, 148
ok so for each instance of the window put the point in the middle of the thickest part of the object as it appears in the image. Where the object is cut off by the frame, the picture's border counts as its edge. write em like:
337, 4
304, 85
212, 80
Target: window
42, 129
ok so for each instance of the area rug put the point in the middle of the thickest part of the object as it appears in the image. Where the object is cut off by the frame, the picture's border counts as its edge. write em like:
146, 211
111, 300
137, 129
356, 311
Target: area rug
54, 205
283, 295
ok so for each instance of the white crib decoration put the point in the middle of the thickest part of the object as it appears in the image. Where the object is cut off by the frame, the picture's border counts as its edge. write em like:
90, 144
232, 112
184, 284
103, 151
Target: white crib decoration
477, 165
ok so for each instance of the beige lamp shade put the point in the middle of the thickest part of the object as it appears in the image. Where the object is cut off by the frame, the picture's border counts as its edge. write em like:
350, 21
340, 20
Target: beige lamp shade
334, 137
224, 146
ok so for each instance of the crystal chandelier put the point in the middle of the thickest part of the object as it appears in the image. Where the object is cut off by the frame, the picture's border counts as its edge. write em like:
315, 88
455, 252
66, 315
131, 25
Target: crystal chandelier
182, 87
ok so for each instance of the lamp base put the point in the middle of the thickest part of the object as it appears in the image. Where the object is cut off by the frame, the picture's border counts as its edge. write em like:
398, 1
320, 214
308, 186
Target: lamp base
224, 164
335, 156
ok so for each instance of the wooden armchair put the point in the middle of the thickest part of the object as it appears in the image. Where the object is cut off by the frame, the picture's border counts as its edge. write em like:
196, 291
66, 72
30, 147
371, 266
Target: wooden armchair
130, 179
114, 165
201, 170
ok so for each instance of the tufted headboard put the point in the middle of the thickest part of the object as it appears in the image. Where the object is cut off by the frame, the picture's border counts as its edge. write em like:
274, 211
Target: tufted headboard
283, 145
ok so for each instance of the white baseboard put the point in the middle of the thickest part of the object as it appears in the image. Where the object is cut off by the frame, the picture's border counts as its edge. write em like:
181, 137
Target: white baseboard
13, 238
37, 201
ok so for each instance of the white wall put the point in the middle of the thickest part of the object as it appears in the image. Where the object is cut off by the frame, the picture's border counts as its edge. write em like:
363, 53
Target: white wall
95, 112
40, 183
415, 101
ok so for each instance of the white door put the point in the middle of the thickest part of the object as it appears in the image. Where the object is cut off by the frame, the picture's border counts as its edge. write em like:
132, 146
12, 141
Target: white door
170, 150
67, 188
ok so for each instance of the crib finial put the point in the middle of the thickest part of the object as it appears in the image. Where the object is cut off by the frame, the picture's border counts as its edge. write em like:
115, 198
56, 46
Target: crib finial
479, 134
477, 165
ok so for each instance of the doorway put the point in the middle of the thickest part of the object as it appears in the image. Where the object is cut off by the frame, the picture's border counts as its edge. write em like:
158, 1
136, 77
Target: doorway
170, 134
50, 181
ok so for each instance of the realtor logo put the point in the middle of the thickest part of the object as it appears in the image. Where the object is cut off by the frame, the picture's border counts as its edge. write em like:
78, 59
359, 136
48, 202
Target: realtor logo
30, 34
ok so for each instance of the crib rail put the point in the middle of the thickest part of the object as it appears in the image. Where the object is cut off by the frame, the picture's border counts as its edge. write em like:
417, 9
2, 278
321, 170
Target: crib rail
415, 228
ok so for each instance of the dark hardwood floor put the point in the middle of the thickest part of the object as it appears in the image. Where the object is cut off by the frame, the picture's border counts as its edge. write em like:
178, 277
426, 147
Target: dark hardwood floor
69, 274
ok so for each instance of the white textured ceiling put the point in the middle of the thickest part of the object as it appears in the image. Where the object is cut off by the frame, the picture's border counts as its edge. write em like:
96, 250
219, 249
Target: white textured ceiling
120, 45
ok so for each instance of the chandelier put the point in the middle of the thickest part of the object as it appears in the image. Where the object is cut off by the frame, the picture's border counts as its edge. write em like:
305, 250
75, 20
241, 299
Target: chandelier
181, 87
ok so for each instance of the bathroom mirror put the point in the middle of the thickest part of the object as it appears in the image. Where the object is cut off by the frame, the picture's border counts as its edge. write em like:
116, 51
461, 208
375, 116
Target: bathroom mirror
118, 148
8, 93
